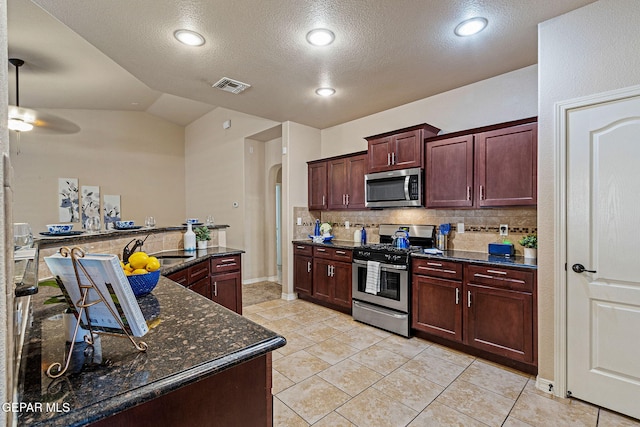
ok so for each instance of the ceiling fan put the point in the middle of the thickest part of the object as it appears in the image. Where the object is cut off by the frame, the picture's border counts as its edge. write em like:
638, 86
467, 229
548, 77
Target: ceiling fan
25, 119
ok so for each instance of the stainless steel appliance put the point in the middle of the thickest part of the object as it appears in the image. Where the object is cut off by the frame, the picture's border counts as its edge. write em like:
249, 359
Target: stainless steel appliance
399, 188
381, 279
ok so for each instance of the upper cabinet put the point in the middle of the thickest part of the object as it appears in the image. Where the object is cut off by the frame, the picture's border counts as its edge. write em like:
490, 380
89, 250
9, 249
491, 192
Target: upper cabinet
337, 183
491, 166
401, 149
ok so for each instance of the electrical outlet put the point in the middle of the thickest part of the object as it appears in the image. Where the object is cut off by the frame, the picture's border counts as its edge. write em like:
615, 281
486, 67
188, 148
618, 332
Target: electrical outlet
299, 222
347, 225
504, 230
460, 227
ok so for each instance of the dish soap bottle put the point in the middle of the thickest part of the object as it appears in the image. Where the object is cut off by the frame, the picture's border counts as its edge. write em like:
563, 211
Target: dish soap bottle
189, 239
363, 236
316, 230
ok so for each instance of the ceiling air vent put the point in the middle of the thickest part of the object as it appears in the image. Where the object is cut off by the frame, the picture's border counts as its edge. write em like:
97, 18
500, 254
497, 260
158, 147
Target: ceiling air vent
230, 85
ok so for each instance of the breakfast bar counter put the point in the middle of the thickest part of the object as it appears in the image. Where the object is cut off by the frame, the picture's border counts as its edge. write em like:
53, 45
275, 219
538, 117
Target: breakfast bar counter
204, 364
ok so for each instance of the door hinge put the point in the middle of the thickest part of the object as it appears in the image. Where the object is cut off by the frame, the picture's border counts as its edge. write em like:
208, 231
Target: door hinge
565, 266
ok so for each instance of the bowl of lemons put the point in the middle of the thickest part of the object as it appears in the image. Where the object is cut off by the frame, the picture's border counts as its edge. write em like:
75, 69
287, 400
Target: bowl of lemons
143, 272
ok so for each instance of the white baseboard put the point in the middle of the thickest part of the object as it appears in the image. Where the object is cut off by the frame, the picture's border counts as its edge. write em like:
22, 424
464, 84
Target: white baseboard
260, 279
289, 297
545, 385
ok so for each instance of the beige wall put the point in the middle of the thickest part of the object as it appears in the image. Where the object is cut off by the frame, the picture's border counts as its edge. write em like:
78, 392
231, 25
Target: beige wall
302, 144
133, 154
216, 173
254, 200
510, 96
590, 50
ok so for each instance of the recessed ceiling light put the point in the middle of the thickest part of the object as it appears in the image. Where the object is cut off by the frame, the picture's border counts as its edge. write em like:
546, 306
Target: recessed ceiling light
188, 37
320, 37
325, 91
471, 26
19, 125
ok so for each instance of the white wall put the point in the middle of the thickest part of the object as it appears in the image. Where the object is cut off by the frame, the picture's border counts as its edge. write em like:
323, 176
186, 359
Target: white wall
510, 96
254, 200
273, 164
215, 173
133, 154
590, 50
302, 144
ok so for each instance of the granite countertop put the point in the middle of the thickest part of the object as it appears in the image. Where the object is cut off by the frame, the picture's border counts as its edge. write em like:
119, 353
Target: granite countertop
453, 255
190, 337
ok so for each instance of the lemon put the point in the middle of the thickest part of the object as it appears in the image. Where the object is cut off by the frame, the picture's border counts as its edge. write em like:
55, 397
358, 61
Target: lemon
139, 271
128, 267
138, 260
122, 265
153, 264
127, 273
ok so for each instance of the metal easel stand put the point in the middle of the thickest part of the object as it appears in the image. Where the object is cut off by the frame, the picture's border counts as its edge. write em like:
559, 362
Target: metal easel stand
56, 370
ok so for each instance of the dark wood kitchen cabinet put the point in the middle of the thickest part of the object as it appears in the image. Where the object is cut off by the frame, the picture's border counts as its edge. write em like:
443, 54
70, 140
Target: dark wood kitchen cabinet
449, 173
346, 182
303, 268
332, 276
400, 149
317, 194
484, 167
218, 279
488, 311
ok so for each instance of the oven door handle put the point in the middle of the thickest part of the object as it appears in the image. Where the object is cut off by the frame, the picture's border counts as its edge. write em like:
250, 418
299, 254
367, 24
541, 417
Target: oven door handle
382, 266
379, 310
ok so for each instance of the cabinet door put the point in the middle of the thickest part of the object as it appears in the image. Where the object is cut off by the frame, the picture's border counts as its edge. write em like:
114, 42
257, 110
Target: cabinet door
379, 154
317, 186
342, 284
437, 307
337, 182
322, 279
202, 287
357, 169
407, 150
303, 274
499, 321
507, 166
225, 289
449, 173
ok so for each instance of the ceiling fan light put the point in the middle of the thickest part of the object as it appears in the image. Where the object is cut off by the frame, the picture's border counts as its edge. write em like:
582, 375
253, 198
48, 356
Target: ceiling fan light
19, 125
471, 26
188, 37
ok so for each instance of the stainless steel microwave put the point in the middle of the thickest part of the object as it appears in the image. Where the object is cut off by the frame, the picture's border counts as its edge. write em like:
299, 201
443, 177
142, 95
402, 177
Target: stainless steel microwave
399, 188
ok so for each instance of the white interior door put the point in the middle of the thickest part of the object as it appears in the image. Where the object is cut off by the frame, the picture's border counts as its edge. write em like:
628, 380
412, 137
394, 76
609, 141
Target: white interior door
603, 235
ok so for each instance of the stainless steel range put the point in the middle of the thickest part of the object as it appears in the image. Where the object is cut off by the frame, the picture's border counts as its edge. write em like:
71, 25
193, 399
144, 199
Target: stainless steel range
381, 292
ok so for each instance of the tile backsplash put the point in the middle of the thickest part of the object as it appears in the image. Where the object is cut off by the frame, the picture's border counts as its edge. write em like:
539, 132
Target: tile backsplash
481, 225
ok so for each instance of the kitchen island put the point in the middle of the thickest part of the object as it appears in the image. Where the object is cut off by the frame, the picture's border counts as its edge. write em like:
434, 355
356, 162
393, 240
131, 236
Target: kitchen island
205, 365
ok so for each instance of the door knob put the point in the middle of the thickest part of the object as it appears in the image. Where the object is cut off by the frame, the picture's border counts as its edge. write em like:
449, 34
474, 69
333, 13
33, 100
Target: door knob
579, 268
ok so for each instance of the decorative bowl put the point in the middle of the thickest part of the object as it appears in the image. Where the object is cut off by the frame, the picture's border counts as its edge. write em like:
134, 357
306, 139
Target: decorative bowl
192, 220
142, 284
59, 228
124, 224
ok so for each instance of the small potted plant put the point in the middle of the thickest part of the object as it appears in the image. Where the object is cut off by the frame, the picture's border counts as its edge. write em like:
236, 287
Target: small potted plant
203, 234
530, 245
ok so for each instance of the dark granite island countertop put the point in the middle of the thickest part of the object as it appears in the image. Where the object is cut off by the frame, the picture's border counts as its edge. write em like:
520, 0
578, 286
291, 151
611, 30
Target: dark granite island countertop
191, 338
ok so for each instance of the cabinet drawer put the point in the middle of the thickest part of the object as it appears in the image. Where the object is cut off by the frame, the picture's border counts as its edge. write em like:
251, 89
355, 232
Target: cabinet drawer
179, 277
197, 272
508, 278
300, 249
437, 268
333, 253
225, 264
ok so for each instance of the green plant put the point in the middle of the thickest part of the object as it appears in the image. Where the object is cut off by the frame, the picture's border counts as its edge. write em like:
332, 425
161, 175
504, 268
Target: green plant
202, 233
529, 241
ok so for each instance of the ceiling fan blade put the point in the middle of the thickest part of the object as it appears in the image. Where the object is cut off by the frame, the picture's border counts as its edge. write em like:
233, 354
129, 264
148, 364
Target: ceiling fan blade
43, 122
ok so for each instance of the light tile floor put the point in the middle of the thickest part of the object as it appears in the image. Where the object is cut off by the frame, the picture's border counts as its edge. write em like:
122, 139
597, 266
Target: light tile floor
336, 372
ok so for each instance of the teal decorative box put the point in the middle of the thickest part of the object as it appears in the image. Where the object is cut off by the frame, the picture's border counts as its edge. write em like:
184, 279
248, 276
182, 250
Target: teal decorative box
505, 249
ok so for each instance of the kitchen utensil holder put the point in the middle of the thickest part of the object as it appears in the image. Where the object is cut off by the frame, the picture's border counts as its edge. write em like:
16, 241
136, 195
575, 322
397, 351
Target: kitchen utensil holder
56, 369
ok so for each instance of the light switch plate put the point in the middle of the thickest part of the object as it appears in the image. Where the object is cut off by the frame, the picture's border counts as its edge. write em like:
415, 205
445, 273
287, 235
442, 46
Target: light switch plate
299, 221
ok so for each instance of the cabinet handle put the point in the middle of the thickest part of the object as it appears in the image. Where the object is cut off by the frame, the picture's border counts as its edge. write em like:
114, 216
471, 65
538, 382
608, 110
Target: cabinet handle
436, 264
436, 269
215, 289
300, 247
393, 158
468, 298
228, 260
388, 159
504, 273
347, 200
328, 271
468, 193
482, 192
308, 266
321, 250
457, 296
230, 264
341, 252
333, 270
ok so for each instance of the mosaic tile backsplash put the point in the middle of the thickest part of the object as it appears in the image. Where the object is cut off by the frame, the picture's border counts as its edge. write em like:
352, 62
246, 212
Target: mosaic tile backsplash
481, 225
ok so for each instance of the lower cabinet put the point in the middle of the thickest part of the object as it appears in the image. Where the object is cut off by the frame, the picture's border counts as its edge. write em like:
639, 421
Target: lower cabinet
323, 274
218, 279
478, 307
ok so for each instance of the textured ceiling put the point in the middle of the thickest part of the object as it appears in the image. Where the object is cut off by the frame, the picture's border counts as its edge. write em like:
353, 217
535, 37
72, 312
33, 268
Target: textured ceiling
121, 54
